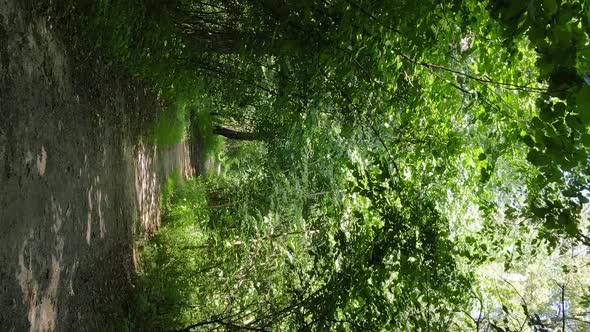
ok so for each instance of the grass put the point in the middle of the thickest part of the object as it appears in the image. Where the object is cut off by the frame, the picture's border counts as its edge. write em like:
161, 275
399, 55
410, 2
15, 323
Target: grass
170, 126
168, 259
143, 44
168, 190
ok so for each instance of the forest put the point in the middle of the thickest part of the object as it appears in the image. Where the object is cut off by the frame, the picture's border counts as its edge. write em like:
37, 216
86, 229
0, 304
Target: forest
388, 166
368, 165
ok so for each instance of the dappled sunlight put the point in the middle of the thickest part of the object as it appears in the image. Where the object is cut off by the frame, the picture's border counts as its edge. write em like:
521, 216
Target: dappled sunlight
50, 261
42, 161
360, 165
146, 185
152, 165
40, 297
95, 214
176, 158
73, 192
89, 218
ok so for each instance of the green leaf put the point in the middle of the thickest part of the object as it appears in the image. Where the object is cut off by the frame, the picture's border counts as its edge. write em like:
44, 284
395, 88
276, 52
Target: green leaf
570, 192
537, 123
583, 103
505, 309
559, 109
550, 7
574, 122
485, 175
529, 141
547, 114
537, 158
540, 212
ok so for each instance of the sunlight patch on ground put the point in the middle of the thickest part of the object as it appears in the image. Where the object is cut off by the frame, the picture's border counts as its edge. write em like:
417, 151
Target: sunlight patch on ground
42, 161
95, 198
146, 183
41, 300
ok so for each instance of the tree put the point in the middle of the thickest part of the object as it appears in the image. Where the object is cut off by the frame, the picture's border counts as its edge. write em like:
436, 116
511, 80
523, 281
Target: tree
440, 133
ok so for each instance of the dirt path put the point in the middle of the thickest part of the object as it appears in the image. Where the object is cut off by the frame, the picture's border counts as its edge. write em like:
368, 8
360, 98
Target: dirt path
76, 187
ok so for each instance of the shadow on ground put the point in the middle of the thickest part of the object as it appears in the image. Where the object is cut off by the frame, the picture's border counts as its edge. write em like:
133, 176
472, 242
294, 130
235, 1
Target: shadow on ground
76, 185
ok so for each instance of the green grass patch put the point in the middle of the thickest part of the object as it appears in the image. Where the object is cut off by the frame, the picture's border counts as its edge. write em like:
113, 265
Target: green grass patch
170, 126
169, 189
166, 285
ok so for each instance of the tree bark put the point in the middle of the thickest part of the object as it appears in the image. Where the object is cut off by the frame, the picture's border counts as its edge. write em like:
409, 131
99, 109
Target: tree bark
236, 135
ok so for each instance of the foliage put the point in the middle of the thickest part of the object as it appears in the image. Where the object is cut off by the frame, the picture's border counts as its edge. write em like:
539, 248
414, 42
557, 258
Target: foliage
543, 292
170, 127
202, 132
168, 273
558, 137
401, 148
138, 39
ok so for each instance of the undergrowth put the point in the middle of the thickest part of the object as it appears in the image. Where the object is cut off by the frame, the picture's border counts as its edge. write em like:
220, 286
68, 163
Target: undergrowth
212, 145
142, 42
164, 287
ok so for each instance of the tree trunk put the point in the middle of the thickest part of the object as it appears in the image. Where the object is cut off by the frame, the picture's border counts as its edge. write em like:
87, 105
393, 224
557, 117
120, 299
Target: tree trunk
237, 135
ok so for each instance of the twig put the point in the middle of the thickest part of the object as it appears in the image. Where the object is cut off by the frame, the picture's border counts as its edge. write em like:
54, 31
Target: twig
350, 102
579, 320
388, 152
372, 17
524, 303
508, 86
